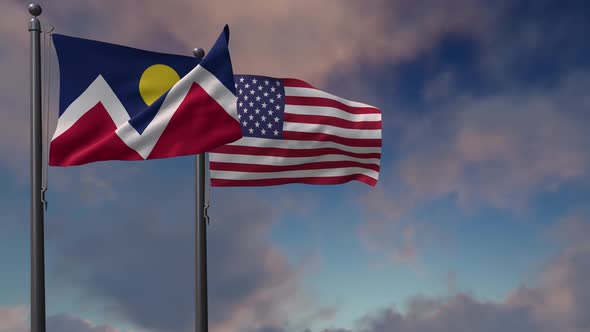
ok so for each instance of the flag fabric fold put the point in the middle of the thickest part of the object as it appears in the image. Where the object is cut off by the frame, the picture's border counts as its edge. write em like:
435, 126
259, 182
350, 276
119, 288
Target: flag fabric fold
295, 133
122, 103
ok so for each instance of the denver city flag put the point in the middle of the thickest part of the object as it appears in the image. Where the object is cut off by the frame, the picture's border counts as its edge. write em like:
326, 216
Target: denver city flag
122, 103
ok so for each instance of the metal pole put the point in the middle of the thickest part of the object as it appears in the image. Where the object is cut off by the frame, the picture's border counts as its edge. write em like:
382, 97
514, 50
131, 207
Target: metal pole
200, 247
37, 236
201, 311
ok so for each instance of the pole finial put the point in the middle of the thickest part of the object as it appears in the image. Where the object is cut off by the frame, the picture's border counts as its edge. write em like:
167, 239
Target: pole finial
35, 9
198, 53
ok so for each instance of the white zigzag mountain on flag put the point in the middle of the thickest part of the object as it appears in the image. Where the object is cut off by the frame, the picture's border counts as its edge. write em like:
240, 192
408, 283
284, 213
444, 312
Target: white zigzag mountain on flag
100, 92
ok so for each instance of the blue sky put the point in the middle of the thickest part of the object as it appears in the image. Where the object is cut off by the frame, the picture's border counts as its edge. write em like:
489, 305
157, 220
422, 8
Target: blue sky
477, 223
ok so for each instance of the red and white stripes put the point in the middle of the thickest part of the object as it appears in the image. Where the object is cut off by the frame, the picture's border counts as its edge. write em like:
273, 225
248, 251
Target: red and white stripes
326, 140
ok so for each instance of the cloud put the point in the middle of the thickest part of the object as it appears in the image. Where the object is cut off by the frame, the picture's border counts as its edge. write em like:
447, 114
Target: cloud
284, 37
499, 150
573, 228
14, 61
487, 132
558, 304
391, 227
460, 313
562, 295
303, 39
68, 323
558, 299
15, 319
535, 45
135, 261
96, 184
495, 151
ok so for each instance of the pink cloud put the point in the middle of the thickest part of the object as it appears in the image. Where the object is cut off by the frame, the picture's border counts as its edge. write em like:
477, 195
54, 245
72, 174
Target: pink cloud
14, 61
13, 319
562, 295
390, 228
305, 39
556, 300
252, 284
495, 151
16, 319
499, 150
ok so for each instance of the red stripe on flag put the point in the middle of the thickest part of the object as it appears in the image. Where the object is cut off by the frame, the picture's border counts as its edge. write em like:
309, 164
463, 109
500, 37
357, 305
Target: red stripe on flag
295, 83
331, 121
309, 180
282, 152
321, 137
325, 102
255, 168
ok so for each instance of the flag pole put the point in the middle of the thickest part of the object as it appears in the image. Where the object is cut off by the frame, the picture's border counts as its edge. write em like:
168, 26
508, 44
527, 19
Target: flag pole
201, 306
37, 236
200, 247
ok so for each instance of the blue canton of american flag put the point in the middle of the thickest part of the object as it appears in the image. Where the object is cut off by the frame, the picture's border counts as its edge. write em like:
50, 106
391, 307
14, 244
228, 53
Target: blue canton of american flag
261, 106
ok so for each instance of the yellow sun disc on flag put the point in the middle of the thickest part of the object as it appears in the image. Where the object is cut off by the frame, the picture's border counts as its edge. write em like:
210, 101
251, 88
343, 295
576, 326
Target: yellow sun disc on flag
155, 81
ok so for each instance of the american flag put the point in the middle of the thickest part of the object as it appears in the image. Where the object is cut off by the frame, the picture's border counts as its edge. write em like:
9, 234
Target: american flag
295, 133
